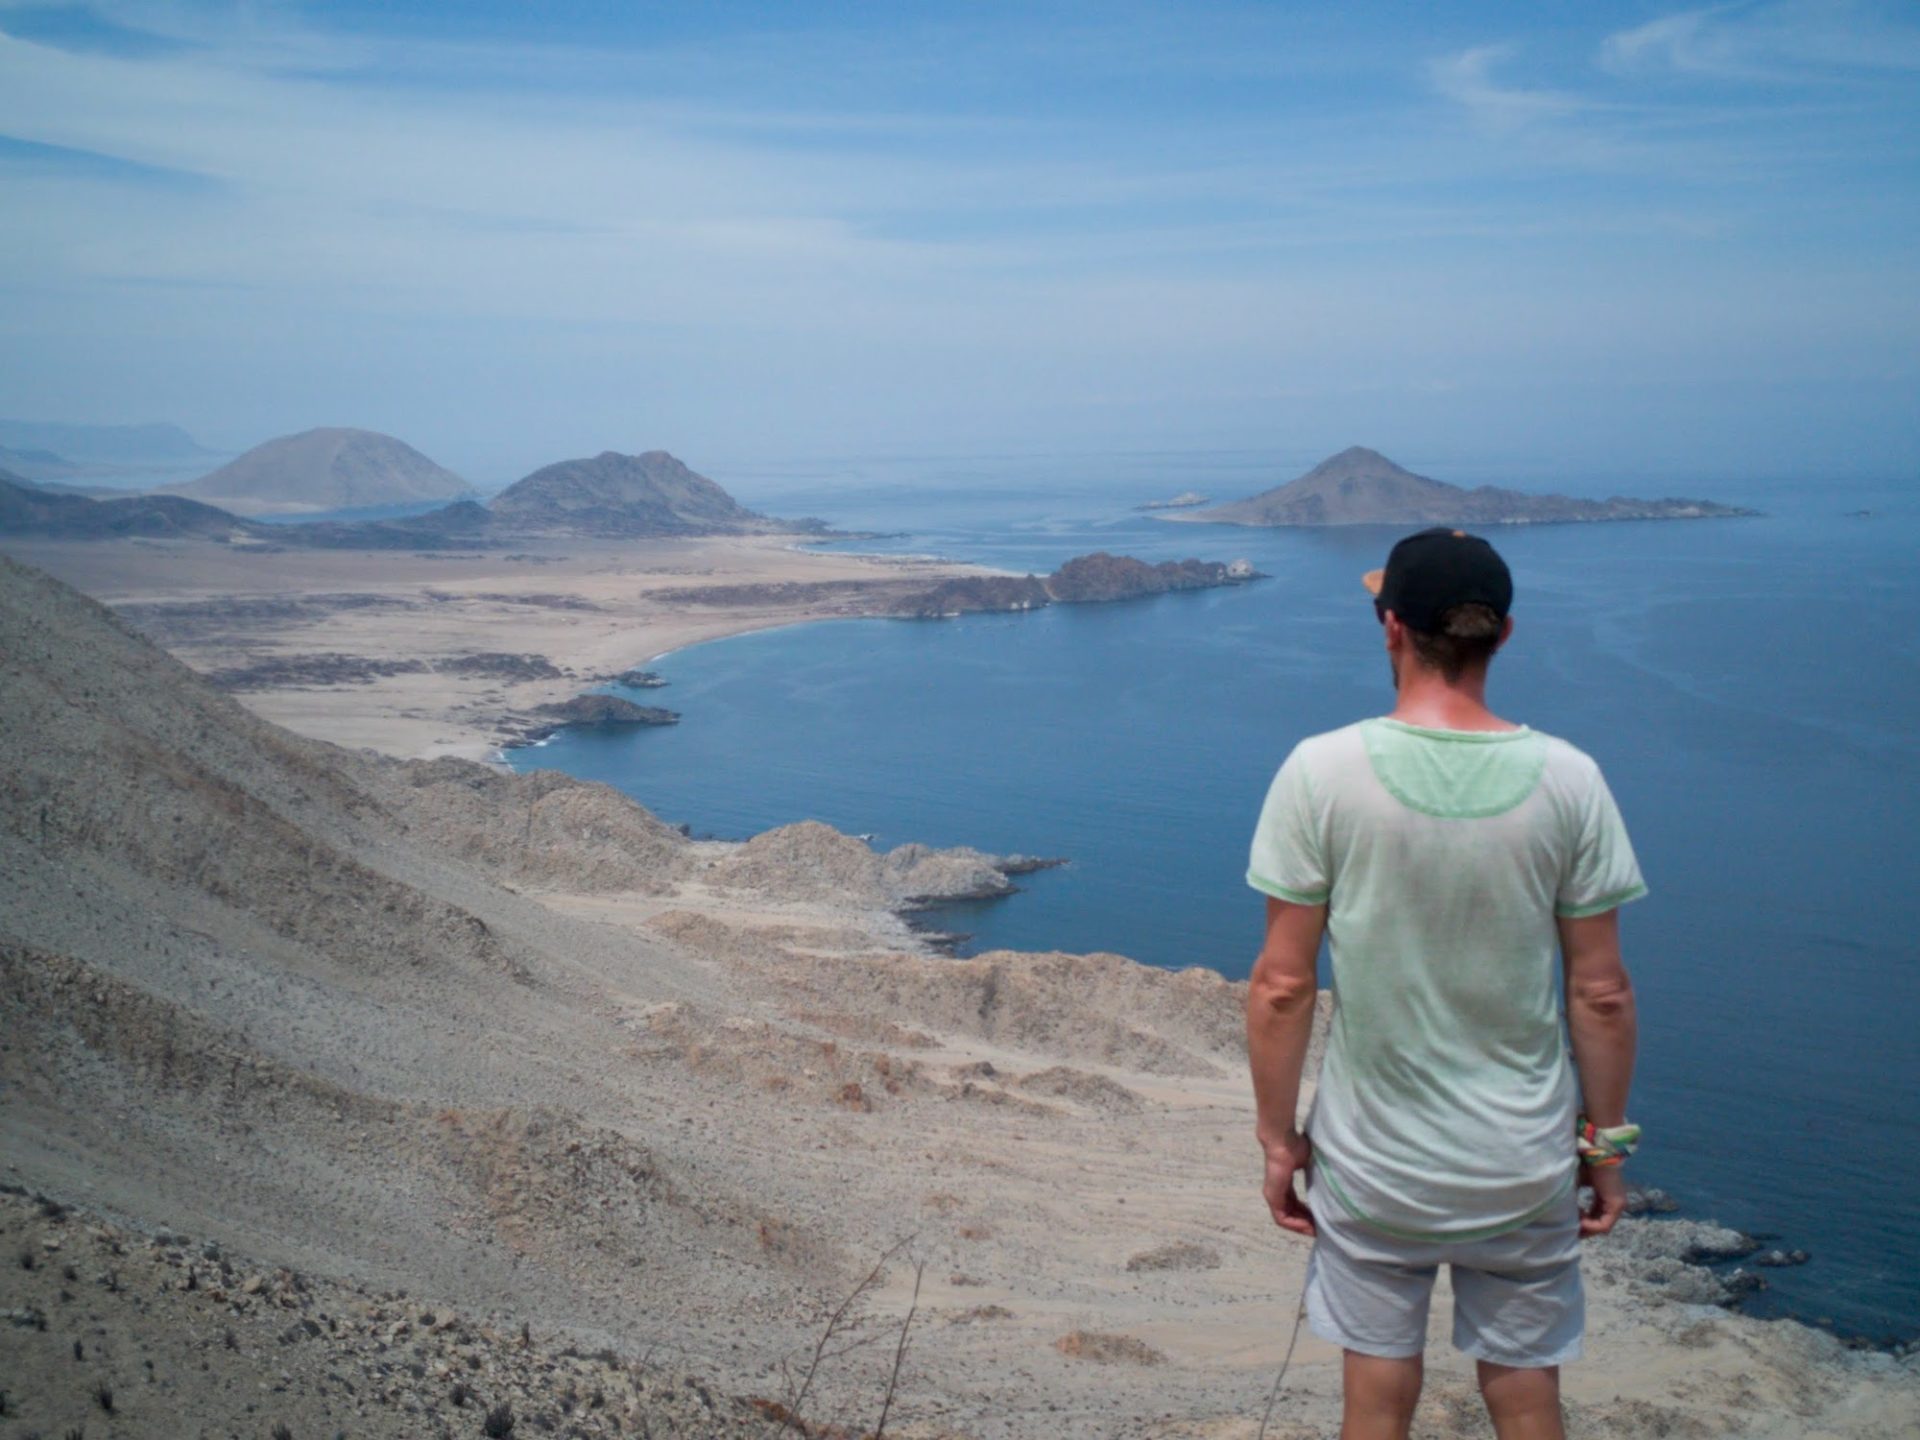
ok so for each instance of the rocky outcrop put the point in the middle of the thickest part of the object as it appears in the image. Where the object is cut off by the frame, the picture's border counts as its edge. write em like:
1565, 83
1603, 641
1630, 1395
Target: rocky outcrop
541, 828
1099, 577
608, 710
1085, 579
592, 711
1678, 1260
970, 593
811, 861
1362, 487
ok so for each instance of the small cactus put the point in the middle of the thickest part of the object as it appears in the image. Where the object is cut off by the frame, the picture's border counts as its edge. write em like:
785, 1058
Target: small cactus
499, 1422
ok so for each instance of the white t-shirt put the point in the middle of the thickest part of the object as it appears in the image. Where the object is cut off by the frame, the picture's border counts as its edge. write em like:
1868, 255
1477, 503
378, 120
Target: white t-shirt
1445, 1108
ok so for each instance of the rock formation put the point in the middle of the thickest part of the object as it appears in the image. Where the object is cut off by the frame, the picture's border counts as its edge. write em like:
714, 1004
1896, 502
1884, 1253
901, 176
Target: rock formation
1085, 579
1362, 487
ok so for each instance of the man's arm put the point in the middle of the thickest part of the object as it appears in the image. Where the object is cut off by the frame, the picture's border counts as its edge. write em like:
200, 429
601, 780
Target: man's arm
1280, 1000
1603, 1026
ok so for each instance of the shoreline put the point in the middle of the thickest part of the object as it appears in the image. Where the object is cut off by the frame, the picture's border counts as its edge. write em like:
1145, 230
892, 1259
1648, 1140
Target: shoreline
670, 630
391, 651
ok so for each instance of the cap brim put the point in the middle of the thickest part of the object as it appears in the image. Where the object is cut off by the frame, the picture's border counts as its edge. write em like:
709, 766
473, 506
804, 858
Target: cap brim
1373, 580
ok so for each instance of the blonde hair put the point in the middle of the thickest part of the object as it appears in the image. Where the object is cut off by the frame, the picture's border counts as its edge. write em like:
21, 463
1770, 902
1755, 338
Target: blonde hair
1467, 637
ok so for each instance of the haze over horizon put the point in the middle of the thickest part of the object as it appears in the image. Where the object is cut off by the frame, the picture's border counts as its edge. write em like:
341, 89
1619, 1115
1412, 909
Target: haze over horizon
1635, 238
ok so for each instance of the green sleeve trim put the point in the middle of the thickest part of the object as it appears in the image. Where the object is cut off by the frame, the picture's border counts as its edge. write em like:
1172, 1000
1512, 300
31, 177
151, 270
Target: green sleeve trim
1282, 892
1601, 906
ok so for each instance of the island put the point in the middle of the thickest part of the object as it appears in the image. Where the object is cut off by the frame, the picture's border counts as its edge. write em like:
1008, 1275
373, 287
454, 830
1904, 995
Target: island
1363, 487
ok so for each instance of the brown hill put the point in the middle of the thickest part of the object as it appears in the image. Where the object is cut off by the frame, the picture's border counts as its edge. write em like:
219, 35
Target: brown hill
615, 494
1363, 487
325, 469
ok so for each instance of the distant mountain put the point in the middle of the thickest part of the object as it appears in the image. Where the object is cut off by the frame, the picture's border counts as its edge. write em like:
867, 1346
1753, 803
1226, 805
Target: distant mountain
1362, 487
39, 512
615, 494
611, 495
327, 469
39, 466
116, 445
26, 509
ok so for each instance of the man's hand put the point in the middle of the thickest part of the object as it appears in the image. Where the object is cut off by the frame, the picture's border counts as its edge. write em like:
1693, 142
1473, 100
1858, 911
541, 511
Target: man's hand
1288, 1156
1609, 1201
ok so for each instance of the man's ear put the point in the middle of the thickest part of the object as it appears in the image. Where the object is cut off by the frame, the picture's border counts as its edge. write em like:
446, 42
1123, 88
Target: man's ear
1506, 632
1395, 631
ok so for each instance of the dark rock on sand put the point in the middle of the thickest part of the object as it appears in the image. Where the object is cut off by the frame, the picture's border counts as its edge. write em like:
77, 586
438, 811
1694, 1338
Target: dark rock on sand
608, 710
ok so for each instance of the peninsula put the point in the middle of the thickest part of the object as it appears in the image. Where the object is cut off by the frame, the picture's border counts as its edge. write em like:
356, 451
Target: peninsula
1363, 487
476, 627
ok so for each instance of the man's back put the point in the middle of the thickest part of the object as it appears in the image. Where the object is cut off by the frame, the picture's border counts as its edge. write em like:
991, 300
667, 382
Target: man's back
1444, 858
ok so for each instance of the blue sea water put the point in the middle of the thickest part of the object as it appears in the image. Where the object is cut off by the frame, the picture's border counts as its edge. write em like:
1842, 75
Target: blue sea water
1751, 687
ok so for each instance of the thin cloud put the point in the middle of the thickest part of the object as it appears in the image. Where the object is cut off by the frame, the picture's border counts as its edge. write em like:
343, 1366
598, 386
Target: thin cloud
1467, 79
1802, 41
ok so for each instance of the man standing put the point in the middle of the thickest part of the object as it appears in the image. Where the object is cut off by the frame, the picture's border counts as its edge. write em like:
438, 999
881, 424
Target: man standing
1446, 853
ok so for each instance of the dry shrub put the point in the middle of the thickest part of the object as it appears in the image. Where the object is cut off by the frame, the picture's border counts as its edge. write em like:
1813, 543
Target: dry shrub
1176, 1255
1107, 1349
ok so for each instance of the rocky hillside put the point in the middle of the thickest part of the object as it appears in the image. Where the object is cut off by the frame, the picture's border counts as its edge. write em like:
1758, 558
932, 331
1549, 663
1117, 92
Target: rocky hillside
615, 494
304, 1002
1363, 487
326, 469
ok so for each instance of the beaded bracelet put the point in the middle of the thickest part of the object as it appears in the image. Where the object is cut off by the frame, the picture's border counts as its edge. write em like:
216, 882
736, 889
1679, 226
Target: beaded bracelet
1601, 1147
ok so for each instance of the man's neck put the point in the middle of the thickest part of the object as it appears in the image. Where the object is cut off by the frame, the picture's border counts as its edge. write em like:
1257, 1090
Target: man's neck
1428, 699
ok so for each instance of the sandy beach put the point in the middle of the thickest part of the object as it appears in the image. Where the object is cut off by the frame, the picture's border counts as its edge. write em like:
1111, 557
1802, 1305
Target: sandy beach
590, 608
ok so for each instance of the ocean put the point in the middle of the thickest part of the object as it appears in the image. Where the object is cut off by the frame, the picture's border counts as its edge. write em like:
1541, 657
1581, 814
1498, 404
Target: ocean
1751, 687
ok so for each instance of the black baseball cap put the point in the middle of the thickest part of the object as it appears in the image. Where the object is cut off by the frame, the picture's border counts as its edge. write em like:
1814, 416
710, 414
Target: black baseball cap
1429, 573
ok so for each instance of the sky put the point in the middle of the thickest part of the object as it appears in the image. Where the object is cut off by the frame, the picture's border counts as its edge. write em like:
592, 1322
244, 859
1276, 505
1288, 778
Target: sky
1598, 239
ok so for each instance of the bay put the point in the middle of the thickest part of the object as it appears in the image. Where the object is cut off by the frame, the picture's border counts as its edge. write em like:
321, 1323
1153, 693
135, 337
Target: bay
1751, 687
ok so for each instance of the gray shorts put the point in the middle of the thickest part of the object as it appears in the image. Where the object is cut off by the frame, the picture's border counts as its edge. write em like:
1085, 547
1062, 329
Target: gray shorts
1517, 1298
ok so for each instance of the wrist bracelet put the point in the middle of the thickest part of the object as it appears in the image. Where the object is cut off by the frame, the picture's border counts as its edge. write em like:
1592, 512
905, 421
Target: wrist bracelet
1602, 1147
